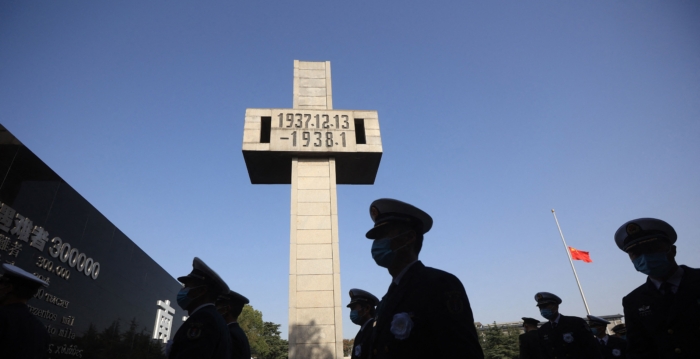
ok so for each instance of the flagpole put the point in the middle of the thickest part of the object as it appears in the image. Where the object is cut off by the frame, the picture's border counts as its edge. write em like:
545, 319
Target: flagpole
568, 254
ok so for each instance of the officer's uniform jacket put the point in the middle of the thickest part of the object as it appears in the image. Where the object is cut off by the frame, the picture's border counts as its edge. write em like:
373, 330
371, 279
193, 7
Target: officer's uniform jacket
571, 338
240, 348
22, 336
438, 307
360, 348
657, 328
615, 348
529, 345
204, 335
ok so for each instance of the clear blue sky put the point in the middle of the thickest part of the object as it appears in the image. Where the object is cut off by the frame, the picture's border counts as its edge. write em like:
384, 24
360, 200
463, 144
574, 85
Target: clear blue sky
492, 113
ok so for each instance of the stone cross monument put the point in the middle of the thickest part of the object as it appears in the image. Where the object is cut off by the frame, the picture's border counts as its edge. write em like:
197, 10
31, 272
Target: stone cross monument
313, 147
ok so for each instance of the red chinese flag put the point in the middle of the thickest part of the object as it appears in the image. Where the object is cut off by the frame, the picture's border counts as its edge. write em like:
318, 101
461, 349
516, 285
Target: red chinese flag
580, 255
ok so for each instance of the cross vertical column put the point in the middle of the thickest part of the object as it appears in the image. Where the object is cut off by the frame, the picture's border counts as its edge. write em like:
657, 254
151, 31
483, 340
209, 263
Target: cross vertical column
314, 148
315, 312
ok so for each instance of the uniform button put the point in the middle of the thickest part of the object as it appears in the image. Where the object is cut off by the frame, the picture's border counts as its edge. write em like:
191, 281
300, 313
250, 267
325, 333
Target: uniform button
678, 350
670, 331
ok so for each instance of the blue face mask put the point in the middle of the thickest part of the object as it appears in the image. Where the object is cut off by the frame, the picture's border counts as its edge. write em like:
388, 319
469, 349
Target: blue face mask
623, 337
653, 264
183, 300
594, 331
355, 317
547, 313
382, 253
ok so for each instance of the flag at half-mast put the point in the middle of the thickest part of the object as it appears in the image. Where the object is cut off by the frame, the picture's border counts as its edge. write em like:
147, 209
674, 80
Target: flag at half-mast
580, 255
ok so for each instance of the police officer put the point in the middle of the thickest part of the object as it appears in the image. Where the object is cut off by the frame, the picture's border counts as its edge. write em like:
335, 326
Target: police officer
529, 341
663, 314
563, 336
610, 347
620, 331
22, 336
426, 312
204, 334
362, 311
230, 305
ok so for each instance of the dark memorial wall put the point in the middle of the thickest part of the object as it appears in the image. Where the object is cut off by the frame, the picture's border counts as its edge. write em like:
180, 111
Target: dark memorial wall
106, 297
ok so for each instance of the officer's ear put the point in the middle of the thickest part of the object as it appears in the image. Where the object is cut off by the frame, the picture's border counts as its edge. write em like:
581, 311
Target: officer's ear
415, 240
202, 290
405, 237
224, 308
411, 235
672, 251
418, 245
21, 289
10, 287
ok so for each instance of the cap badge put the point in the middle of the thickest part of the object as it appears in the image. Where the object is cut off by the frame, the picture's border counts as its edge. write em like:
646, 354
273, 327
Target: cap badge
538, 297
632, 228
373, 212
352, 295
